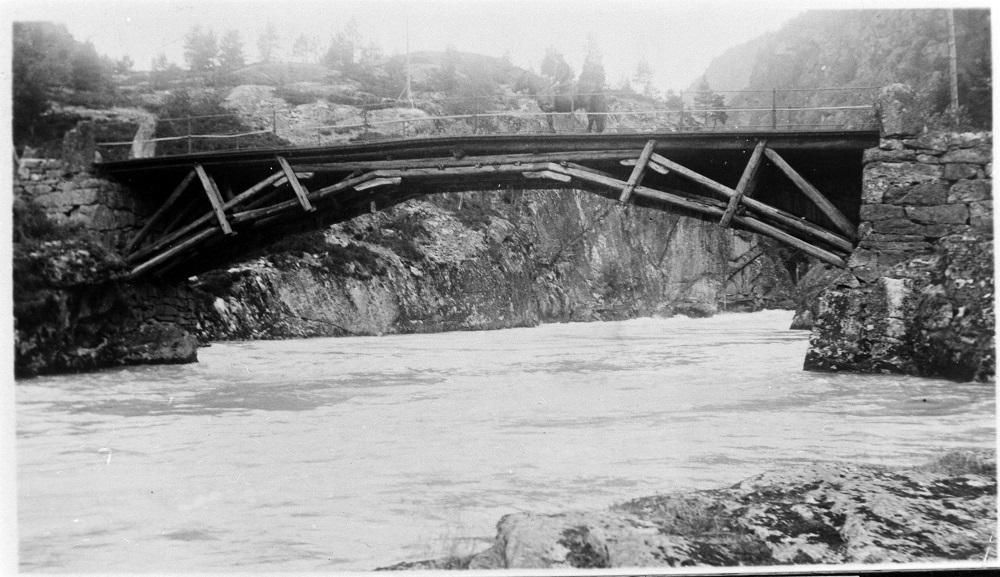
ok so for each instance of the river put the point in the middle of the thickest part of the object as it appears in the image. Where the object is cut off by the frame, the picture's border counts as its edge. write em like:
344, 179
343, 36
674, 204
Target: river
351, 453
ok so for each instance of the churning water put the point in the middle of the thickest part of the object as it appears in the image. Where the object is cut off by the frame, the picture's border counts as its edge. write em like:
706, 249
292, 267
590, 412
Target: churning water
350, 453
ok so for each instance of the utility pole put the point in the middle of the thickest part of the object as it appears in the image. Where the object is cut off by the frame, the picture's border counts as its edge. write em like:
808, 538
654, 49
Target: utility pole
953, 64
409, 92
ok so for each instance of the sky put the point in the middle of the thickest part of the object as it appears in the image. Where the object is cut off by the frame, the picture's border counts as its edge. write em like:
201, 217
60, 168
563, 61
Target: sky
677, 38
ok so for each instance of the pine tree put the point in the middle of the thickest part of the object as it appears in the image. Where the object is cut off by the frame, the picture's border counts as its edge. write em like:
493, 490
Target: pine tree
201, 50
304, 48
592, 78
446, 77
706, 99
88, 71
555, 67
625, 85
643, 79
340, 54
267, 43
718, 115
231, 52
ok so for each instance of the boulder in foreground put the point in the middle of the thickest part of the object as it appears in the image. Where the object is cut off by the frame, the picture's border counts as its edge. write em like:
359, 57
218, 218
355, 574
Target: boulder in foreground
811, 514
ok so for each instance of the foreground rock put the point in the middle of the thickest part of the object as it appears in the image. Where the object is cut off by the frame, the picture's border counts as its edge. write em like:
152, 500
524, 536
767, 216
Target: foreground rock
813, 514
73, 314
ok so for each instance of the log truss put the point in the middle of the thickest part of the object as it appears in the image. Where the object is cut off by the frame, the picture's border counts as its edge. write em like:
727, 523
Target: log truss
190, 224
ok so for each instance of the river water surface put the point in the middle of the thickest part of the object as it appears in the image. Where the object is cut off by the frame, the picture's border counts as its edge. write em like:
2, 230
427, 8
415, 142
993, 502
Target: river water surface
351, 453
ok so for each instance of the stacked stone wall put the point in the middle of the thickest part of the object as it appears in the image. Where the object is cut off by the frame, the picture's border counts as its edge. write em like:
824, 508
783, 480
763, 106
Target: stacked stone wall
73, 308
918, 294
919, 191
76, 197
179, 304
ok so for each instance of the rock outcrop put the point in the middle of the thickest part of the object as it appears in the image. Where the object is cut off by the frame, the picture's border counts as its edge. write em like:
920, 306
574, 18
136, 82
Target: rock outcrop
72, 314
810, 514
918, 295
72, 309
493, 260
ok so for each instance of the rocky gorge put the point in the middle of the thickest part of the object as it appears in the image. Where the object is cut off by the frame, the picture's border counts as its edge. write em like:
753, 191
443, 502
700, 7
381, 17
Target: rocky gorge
476, 260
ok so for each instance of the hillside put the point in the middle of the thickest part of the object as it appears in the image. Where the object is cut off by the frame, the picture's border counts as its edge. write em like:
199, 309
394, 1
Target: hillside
865, 48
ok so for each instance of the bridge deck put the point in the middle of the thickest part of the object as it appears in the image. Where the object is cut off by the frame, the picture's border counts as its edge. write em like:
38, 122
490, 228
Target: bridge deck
198, 202
442, 146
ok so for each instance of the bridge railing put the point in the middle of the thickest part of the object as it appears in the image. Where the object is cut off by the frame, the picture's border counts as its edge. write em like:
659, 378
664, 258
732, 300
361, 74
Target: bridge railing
813, 109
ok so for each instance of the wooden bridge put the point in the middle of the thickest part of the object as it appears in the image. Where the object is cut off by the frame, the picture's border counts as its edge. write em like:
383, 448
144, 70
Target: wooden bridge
205, 210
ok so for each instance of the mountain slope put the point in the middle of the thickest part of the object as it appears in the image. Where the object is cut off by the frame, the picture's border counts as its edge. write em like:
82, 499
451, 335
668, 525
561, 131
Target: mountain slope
865, 48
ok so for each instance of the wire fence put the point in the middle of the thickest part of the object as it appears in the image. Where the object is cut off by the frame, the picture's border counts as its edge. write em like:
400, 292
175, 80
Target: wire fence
796, 109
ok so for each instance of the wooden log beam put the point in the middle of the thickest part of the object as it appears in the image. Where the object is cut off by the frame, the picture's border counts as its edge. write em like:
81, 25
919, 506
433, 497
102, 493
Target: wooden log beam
180, 215
215, 198
174, 251
160, 212
748, 223
766, 229
655, 166
702, 207
693, 176
316, 195
546, 174
747, 182
376, 182
300, 191
638, 172
198, 222
832, 212
776, 214
569, 155
273, 179
473, 170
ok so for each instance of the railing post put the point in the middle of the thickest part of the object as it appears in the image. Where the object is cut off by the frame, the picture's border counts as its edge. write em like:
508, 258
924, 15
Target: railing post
189, 134
680, 121
774, 109
475, 115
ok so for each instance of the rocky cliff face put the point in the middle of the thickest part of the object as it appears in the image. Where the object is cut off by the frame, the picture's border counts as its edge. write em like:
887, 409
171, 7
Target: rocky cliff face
72, 314
819, 513
918, 295
491, 260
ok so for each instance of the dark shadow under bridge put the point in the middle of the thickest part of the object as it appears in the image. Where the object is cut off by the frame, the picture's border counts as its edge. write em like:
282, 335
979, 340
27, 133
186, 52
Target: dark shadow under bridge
206, 210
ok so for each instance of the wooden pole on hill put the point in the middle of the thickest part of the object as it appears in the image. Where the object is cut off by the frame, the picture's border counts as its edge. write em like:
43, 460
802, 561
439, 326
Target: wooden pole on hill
953, 65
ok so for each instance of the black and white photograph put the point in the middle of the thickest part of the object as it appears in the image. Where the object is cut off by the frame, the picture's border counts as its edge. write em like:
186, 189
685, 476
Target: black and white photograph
583, 287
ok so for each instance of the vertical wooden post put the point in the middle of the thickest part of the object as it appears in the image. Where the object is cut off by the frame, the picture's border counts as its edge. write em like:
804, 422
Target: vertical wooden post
300, 191
214, 198
746, 184
681, 120
638, 171
774, 109
475, 115
953, 64
189, 134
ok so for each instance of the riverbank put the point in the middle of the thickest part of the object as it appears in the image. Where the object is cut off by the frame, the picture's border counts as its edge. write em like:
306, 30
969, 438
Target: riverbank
822, 513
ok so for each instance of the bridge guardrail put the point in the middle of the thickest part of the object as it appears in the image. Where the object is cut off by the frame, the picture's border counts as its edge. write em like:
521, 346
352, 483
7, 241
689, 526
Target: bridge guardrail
751, 110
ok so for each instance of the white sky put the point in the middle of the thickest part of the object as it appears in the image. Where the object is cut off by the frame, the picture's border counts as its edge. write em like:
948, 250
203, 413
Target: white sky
678, 38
